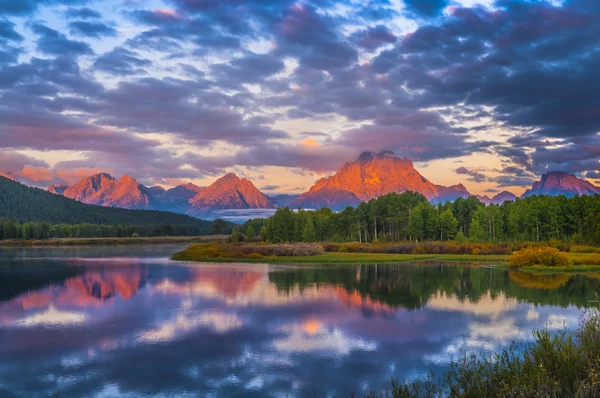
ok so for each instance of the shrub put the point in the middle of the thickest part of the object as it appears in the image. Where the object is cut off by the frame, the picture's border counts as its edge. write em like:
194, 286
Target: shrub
343, 249
476, 251
298, 249
539, 256
135, 235
254, 256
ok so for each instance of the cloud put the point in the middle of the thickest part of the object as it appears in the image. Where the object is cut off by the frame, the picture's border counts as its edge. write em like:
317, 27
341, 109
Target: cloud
53, 42
475, 176
425, 8
82, 13
121, 61
375, 37
27, 7
91, 29
8, 32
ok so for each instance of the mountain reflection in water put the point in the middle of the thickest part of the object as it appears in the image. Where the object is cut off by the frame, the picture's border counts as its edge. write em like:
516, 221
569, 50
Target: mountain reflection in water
146, 325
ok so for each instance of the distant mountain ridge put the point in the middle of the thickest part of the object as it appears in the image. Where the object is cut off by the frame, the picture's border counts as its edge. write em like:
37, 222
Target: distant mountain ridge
370, 176
497, 199
228, 192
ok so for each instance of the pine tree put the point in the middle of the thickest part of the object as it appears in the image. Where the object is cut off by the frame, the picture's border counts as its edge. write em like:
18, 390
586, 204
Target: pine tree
250, 234
309, 234
234, 236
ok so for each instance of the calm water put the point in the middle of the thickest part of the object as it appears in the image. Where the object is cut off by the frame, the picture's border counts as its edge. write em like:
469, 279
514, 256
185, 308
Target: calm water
128, 322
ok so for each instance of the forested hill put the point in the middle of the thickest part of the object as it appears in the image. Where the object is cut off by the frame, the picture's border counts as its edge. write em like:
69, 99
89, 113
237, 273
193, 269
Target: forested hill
22, 203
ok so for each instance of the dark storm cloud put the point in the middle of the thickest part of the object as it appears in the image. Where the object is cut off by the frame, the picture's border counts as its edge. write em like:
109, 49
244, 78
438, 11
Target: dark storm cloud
121, 61
82, 13
53, 42
91, 29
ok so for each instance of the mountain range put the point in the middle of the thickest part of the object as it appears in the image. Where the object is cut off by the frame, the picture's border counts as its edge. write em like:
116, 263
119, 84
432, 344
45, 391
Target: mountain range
370, 176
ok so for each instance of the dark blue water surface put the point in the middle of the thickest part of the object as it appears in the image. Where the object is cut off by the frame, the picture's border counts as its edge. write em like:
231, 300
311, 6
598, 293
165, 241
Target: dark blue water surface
106, 322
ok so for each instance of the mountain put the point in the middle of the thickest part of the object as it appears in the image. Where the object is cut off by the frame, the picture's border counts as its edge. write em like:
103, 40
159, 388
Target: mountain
450, 194
9, 175
156, 191
335, 199
503, 197
560, 183
373, 175
23, 203
498, 199
283, 200
57, 189
104, 190
229, 192
177, 199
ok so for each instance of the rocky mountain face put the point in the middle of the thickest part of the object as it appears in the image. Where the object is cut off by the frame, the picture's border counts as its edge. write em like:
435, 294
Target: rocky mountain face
561, 183
104, 190
229, 192
373, 175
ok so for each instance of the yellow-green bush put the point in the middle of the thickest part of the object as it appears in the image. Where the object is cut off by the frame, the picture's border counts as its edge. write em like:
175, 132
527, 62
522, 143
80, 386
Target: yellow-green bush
539, 256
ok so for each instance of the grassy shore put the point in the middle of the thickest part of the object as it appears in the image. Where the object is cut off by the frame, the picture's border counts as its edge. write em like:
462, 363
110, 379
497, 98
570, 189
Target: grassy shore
113, 241
346, 258
248, 253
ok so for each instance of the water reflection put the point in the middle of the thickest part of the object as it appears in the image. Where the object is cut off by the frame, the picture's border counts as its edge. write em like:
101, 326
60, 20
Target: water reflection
110, 326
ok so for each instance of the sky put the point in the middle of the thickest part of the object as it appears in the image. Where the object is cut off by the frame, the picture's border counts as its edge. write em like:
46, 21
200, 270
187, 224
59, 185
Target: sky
490, 94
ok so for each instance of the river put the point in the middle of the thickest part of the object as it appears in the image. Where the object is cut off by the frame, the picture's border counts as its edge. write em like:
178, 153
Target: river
127, 321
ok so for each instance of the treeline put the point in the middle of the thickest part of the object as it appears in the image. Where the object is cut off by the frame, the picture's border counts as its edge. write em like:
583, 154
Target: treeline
10, 229
410, 217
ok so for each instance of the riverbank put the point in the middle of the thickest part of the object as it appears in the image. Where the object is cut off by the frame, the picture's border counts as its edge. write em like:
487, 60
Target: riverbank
244, 253
112, 241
